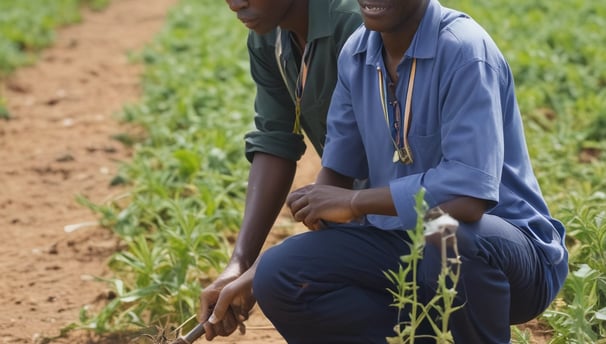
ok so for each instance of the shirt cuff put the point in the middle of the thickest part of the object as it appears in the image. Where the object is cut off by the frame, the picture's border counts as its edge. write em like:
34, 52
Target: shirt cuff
403, 192
285, 145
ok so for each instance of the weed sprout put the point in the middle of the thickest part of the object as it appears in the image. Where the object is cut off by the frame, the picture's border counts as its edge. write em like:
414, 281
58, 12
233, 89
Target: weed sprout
437, 228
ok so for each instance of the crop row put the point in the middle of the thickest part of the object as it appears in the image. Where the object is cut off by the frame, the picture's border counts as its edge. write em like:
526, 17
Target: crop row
187, 178
188, 175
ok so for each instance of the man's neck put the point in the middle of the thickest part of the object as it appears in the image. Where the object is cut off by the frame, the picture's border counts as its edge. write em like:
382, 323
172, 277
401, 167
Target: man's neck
396, 43
297, 21
394, 49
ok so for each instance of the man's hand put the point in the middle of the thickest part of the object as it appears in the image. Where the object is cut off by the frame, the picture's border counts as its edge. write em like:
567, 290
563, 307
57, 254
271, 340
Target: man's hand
314, 203
226, 304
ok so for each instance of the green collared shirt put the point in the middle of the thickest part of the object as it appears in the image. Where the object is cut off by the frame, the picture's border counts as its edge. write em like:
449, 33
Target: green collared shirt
330, 24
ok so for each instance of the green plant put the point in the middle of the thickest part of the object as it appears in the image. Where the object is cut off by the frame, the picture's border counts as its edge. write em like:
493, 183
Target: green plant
440, 229
520, 337
559, 77
26, 27
579, 316
187, 178
189, 165
4, 114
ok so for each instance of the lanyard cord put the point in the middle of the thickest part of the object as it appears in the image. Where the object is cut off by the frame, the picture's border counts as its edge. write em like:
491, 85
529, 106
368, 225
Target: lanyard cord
301, 80
402, 153
278, 53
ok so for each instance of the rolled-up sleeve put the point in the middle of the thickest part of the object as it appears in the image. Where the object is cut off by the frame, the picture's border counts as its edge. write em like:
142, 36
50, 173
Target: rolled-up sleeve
274, 109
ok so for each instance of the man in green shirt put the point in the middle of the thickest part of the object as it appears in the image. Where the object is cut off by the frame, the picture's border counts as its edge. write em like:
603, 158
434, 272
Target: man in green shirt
293, 47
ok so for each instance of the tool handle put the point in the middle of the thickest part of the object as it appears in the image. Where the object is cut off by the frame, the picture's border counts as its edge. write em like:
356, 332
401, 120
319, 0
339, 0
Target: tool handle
194, 334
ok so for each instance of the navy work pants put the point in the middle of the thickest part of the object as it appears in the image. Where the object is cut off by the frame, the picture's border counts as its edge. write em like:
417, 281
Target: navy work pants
328, 286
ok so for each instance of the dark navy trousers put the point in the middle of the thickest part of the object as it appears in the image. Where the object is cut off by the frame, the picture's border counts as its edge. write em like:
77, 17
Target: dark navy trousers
328, 286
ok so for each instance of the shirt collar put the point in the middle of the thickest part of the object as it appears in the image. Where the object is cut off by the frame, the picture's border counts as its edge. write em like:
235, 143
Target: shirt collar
319, 19
318, 26
424, 43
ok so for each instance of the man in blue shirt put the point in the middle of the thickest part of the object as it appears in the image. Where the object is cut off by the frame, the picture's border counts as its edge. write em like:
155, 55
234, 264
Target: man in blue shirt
424, 99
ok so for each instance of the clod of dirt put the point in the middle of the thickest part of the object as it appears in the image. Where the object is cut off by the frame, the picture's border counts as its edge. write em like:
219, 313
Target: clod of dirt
53, 249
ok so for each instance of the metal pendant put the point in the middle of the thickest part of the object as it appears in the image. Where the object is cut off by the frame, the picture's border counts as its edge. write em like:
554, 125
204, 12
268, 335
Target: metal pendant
396, 156
402, 155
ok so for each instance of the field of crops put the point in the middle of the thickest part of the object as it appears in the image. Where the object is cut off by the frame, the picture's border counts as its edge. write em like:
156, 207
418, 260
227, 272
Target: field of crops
28, 26
556, 52
187, 177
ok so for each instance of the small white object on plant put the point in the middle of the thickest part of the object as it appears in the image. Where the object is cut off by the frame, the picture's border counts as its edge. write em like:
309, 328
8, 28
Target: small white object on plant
444, 224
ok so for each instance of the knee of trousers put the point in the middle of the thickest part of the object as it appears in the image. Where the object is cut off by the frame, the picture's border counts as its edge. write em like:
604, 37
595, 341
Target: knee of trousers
482, 256
486, 241
270, 287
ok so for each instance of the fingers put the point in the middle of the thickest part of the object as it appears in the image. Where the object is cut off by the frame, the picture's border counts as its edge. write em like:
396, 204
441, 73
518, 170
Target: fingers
301, 210
293, 196
222, 306
229, 312
305, 216
312, 203
223, 327
208, 298
296, 195
241, 316
316, 225
297, 204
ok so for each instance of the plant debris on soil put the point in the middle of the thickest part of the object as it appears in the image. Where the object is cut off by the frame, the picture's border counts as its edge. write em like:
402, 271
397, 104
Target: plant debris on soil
57, 143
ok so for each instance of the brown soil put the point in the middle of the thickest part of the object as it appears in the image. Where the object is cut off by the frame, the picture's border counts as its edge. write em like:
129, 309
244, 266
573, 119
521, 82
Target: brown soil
58, 144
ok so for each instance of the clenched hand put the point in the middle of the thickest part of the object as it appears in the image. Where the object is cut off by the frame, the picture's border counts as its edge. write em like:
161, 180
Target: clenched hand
315, 203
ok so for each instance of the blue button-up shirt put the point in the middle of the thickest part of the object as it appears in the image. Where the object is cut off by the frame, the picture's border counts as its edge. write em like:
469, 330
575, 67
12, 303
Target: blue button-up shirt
466, 133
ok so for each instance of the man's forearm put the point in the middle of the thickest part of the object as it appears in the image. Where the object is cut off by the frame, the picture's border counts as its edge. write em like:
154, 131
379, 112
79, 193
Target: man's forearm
327, 176
269, 182
379, 201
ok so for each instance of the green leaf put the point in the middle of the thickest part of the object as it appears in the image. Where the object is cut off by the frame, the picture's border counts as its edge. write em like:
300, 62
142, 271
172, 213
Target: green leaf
189, 162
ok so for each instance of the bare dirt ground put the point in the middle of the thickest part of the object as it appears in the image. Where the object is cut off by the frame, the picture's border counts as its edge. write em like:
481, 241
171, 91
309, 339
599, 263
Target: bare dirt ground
58, 144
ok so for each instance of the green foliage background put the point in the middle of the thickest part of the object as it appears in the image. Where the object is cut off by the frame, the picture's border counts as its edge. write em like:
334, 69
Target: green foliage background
26, 26
188, 177
188, 174
556, 54
29, 25
556, 51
